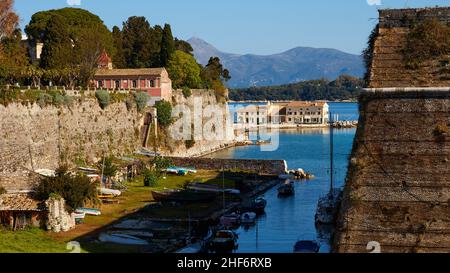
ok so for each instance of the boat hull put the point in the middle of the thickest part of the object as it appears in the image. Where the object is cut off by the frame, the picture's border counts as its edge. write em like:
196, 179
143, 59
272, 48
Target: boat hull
183, 196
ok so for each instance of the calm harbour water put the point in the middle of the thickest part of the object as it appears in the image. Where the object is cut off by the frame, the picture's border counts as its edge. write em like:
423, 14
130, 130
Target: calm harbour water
291, 219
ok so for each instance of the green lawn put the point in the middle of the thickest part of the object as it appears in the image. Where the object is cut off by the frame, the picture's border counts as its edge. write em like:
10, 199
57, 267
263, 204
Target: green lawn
137, 196
32, 240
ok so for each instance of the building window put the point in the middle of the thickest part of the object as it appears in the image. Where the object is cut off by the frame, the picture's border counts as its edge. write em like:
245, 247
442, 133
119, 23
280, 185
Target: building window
152, 83
100, 84
134, 83
117, 84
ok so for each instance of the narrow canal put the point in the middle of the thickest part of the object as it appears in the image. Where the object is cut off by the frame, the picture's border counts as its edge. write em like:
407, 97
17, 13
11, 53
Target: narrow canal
288, 220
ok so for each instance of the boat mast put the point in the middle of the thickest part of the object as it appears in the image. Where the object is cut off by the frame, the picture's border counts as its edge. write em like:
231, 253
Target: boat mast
331, 153
223, 186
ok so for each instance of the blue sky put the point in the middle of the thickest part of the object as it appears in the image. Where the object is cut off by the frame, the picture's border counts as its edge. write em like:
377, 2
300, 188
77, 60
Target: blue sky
247, 26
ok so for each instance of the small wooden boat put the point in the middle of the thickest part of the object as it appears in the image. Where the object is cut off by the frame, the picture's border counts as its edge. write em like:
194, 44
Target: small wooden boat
230, 220
307, 246
211, 188
183, 196
88, 211
79, 217
248, 218
122, 239
136, 233
111, 192
224, 241
259, 205
287, 189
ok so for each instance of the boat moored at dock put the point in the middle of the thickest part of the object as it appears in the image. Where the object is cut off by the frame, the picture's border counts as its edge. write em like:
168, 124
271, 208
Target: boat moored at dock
224, 241
287, 189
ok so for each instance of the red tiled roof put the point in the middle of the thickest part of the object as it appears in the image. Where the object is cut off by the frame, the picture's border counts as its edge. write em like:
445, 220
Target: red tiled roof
130, 72
104, 58
306, 104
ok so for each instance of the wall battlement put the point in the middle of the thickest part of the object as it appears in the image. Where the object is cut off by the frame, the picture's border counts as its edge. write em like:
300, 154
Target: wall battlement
390, 18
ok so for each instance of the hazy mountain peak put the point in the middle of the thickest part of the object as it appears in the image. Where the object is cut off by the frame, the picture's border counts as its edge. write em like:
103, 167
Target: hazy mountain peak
293, 65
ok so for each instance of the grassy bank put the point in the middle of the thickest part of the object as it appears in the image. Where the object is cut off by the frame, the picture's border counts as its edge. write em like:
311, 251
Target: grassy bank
32, 240
133, 200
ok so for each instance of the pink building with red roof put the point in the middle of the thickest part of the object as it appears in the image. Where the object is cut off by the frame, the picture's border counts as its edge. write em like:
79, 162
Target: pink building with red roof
154, 81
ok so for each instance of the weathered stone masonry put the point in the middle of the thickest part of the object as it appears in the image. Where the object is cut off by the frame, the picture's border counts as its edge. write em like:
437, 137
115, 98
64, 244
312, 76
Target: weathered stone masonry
397, 190
32, 137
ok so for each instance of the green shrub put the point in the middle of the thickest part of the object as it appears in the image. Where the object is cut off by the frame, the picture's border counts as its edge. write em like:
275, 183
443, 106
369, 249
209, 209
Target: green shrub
68, 100
164, 113
141, 99
426, 41
77, 190
187, 92
103, 98
44, 99
151, 178
58, 99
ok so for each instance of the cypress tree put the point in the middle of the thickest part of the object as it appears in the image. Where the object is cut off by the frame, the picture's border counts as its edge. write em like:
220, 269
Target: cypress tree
167, 45
118, 56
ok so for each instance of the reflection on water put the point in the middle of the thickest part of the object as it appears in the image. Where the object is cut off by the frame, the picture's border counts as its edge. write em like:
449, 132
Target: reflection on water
290, 219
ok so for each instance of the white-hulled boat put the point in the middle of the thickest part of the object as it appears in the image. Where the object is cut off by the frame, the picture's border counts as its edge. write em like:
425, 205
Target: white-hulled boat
248, 218
110, 192
230, 220
88, 211
121, 239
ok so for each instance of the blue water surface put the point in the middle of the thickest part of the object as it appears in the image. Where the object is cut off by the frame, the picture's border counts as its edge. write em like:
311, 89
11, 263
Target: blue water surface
290, 219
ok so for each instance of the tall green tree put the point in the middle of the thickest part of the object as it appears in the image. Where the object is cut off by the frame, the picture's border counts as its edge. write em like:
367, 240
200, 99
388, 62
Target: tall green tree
167, 45
73, 40
137, 42
184, 70
184, 46
13, 58
118, 56
164, 110
213, 77
57, 52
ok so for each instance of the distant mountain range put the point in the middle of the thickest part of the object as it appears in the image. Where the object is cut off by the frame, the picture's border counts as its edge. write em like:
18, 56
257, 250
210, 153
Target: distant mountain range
295, 65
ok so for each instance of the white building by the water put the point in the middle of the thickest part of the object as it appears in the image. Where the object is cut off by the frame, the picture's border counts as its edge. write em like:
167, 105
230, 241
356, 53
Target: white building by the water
307, 113
279, 114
